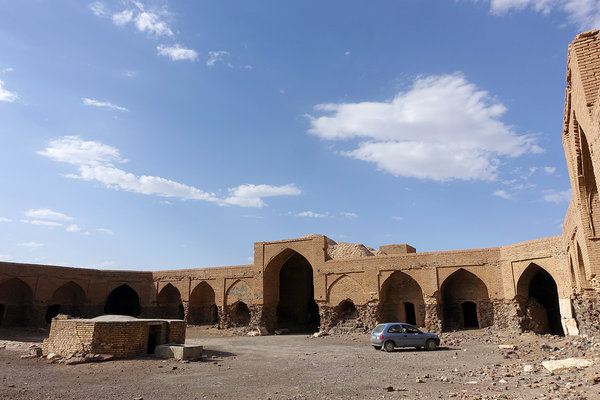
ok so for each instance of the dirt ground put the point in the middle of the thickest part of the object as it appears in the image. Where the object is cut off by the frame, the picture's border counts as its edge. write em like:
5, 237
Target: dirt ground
468, 366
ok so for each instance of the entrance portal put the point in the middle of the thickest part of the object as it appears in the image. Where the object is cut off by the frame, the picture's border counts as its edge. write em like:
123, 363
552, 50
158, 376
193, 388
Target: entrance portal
123, 301
469, 310
297, 309
409, 312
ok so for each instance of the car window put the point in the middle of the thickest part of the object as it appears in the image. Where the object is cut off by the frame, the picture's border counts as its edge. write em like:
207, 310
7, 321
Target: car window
411, 329
395, 329
378, 329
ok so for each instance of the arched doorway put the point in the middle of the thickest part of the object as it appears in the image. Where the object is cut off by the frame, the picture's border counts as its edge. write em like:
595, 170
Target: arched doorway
169, 304
402, 300
465, 302
16, 303
123, 301
202, 308
68, 299
537, 294
239, 314
347, 311
289, 294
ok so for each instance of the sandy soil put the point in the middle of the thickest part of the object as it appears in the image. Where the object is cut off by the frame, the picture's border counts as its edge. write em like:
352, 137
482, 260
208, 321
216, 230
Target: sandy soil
469, 365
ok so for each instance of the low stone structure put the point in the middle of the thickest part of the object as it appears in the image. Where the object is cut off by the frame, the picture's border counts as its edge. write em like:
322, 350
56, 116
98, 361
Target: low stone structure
121, 336
545, 285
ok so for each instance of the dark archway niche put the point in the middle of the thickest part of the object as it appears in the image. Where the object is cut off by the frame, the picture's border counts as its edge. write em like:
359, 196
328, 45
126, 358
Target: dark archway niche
202, 307
68, 299
123, 301
464, 296
537, 294
289, 294
169, 304
16, 298
239, 314
401, 300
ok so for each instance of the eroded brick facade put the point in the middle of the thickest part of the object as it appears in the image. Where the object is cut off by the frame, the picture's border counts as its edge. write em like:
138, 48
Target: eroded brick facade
545, 285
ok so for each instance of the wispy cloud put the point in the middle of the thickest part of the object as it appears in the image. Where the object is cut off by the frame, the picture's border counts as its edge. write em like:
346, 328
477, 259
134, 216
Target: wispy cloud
73, 228
31, 245
6, 95
442, 128
52, 224
585, 14
503, 194
45, 213
553, 196
105, 231
177, 53
96, 161
216, 56
349, 214
252, 195
5, 257
312, 214
4, 219
102, 104
549, 170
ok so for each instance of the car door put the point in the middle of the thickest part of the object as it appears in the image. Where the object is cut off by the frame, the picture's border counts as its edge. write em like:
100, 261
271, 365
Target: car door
413, 336
395, 333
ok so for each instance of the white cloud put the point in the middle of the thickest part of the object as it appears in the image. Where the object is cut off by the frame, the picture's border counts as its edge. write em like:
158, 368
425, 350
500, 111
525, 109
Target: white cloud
5, 70
252, 195
177, 53
122, 18
6, 95
5, 257
103, 264
349, 214
43, 223
312, 214
502, 194
549, 170
104, 104
443, 128
396, 218
347, 53
73, 228
152, 23
95, 162
585, 14
45, 213
4, 219
98, 9
558, 197
105, 231
216, 56
32, 245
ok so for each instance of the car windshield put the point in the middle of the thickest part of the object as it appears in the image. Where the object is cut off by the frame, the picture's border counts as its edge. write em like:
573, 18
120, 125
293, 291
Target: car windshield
378, 329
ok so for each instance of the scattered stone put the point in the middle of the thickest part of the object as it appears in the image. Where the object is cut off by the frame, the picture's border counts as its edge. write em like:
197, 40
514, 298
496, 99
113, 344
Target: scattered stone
593, 379
75, 360
507, 347
528, 368
320, 334
471, 383
567, 363
282, 331
419, 380
254, 333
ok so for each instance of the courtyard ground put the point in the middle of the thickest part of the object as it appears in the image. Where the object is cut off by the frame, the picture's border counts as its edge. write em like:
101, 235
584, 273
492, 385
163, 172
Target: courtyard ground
470, 365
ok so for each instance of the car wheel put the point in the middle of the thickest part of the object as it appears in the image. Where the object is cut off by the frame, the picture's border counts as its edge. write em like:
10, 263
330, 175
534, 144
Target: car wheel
377, 347
389, 346
430, 345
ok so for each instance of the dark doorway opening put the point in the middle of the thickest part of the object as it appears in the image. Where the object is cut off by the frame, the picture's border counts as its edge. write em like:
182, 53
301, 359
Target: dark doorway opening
123, 301
469, 311
347, 311
169, 303
543, 305
297, 309
239, 314
52, 312
154, 333
202, 308
409, 312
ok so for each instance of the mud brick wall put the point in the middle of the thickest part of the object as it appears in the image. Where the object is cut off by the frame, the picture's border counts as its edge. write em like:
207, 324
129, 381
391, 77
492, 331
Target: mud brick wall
68, 337
121, 339
176, 332
587, 313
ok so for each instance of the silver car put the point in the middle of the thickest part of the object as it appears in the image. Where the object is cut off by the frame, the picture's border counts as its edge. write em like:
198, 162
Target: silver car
397, 334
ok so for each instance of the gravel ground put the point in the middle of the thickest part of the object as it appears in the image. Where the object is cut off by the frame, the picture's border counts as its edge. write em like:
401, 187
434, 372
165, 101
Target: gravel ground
468, 366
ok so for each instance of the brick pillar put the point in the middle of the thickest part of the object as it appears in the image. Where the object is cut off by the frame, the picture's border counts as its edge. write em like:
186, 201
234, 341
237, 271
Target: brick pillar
433, 323
186, 310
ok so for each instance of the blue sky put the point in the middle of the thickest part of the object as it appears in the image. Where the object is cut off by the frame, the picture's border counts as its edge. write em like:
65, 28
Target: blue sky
158, 135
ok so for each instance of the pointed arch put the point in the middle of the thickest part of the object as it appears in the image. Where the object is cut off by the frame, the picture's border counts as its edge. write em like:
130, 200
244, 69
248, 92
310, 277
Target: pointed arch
581, 268
123, 301
288, 294
537, 295
202, 307
68, 299
401, 300
465, 302
239, 291
169, 304
16, 303
346, 288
